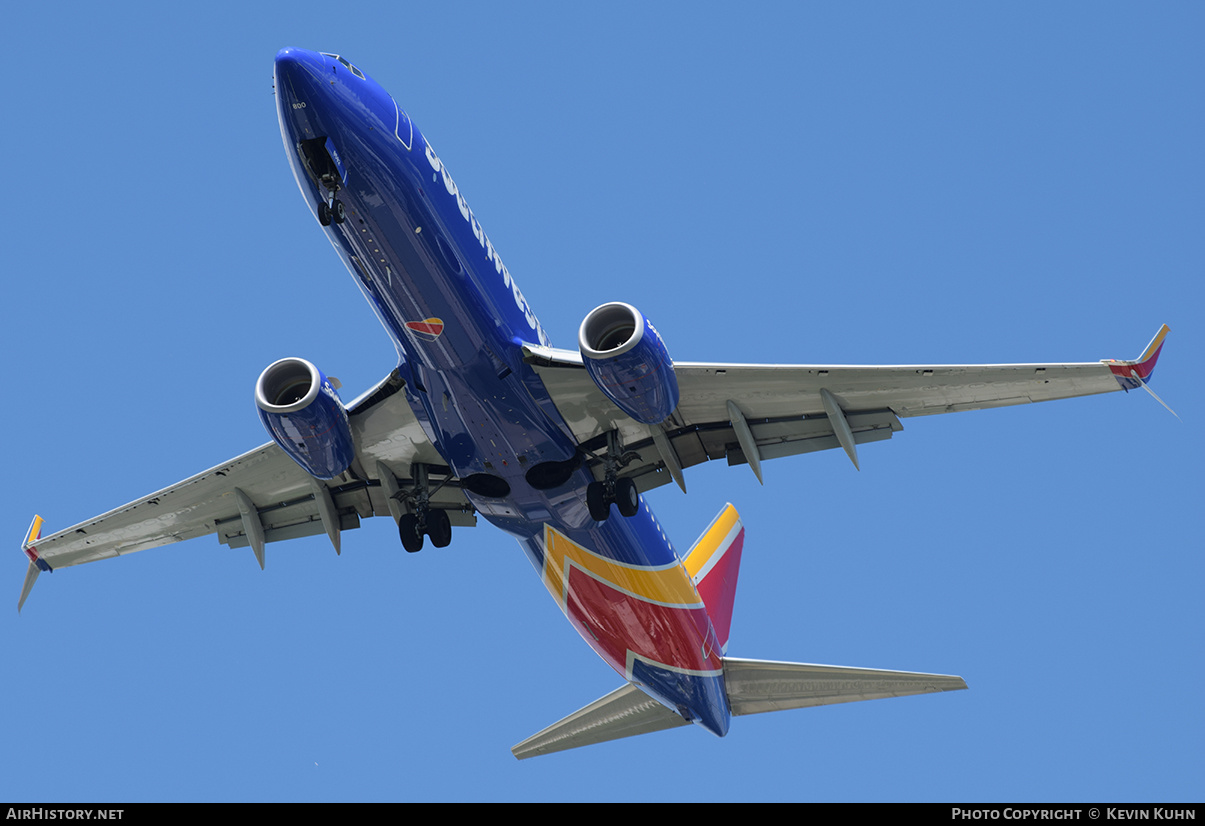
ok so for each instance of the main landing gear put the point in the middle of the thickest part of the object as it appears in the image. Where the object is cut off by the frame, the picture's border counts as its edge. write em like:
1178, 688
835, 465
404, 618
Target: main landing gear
613, 488
433, 523
420, 518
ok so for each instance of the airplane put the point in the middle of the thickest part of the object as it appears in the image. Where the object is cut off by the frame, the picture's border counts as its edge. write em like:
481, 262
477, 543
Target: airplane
483, 417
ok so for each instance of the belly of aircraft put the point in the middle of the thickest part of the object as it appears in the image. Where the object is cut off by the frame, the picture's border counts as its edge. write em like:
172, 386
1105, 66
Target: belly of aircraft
619, 582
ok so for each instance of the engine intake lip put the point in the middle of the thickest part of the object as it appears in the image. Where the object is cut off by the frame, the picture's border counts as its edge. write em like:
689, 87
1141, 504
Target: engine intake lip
287, 386
610, 330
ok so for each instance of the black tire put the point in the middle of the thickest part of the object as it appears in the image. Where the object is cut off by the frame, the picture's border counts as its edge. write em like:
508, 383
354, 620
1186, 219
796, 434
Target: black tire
324, 214
596, 501
338, 212
407, 529
439, 528
627, 499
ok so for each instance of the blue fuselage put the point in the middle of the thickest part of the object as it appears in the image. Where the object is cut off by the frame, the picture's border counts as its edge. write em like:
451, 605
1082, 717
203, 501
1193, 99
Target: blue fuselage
459, 321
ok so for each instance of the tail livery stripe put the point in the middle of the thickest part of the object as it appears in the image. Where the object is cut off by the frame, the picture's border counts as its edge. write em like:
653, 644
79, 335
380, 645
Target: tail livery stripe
662, 621
663, 585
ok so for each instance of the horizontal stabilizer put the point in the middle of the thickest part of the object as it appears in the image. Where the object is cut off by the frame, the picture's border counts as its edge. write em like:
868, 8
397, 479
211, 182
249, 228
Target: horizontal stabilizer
625, 712
755, 686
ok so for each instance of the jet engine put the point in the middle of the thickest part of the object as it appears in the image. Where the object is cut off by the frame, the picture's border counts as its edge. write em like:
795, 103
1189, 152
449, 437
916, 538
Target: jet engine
628, 361
302, 411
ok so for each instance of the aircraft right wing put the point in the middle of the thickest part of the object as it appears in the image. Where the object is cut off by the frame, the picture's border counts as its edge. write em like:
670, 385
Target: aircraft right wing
264, 496
747, 413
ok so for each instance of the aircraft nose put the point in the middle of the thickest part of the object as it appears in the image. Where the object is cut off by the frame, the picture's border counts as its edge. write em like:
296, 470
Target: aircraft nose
293, 63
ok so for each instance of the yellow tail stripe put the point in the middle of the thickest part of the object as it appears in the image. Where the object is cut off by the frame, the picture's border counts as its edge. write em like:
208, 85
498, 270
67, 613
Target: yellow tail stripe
1155, 342
710, 541
34, 532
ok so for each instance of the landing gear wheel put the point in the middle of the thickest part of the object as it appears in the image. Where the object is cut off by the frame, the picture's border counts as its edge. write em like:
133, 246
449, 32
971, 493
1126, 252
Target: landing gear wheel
439, 528
626, 497
613, 487
338, 213
411, 536
324, 214
596, 501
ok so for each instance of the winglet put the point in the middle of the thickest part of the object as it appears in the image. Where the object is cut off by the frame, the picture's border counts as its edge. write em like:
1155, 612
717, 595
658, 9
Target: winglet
32, 535
1133, 374
36, 563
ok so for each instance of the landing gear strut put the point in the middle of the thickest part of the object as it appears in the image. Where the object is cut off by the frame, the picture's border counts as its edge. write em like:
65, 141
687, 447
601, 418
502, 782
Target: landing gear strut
613, 488
421, 519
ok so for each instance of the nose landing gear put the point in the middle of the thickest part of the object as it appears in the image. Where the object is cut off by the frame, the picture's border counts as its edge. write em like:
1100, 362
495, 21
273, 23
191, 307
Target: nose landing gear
334, 212
322, 162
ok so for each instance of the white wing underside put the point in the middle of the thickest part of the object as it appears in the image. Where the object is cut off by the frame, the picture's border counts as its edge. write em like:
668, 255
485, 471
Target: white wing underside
784, 409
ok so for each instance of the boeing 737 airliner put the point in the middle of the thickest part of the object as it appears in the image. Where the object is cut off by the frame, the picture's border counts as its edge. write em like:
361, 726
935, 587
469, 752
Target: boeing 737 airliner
483, 417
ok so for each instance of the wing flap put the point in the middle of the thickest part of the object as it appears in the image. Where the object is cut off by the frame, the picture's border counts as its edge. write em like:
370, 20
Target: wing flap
794, 436
230, 531
625, 712
774, 439
757, 686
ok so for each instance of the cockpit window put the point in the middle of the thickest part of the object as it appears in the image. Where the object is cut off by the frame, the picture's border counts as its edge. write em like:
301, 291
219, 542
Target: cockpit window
349, 66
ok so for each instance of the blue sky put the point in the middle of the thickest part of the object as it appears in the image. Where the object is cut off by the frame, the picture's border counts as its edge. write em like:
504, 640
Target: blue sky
812, 183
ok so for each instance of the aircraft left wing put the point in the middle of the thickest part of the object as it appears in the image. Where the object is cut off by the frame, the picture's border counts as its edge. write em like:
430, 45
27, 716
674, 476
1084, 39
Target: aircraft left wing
264, 496
748, 413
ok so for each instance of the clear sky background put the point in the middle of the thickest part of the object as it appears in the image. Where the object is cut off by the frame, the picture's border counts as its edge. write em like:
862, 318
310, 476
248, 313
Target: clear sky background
791, 182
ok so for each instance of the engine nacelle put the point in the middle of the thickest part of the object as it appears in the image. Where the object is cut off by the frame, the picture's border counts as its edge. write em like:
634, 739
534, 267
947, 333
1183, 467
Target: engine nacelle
629, 362
303, 413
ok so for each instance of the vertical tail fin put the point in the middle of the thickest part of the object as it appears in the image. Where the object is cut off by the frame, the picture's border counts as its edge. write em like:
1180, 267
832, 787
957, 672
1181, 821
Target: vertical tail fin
713, 565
